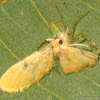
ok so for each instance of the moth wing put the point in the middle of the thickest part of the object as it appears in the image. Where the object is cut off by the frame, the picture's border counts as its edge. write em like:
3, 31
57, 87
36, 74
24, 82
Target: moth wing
15, 78
28, 71
73, 59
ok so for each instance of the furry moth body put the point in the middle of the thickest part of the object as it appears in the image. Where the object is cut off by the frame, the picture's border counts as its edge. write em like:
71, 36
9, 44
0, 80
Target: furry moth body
34, 67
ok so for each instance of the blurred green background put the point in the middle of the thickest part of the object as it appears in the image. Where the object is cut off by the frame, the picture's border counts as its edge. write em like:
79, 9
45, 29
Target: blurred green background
22, 30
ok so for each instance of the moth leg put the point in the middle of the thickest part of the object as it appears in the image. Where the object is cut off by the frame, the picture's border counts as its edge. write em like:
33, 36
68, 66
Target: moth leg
77, 44
83, 37
41, 44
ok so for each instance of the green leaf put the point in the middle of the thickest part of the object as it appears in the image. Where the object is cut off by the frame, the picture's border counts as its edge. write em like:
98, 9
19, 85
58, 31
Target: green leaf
23, 30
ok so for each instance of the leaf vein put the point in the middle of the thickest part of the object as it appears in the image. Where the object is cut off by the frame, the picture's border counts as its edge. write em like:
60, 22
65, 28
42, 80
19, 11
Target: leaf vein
53, 93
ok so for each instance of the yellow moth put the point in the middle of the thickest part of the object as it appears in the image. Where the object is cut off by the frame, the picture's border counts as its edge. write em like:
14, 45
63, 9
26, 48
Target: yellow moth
34, 67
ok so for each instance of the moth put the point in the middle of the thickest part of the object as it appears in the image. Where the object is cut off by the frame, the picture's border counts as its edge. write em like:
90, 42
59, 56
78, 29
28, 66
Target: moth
31, 69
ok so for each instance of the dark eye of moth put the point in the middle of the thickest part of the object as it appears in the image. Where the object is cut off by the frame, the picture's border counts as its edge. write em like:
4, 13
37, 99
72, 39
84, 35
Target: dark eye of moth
60, 42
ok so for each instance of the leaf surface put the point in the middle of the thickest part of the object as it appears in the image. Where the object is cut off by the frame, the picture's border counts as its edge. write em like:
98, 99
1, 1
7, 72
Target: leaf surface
22, 31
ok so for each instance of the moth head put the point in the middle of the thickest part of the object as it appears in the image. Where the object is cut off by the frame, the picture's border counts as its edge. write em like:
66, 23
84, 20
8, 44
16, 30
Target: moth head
61, 41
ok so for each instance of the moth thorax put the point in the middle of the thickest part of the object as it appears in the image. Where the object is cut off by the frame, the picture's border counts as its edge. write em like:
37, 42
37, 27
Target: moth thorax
56, 51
